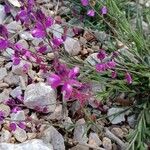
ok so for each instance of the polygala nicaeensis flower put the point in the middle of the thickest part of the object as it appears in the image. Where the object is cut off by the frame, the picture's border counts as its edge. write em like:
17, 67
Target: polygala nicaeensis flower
104, 10
128, 78
85, 2
91, 13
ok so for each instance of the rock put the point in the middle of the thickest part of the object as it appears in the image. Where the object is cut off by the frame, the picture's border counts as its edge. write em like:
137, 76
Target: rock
101, 36
51, 135
40, 95
80, 147
20, 134
14, 27
68, 123
94, 140
23, 43
37, 41
31, 135
57, 114
57, 30
72, 46
18, 69
5, 136
16, 92
79, 132
115, 115
118, 132
4, 96
107, 143
15, 3
6, 109
19, 115
3, 73
8, 53
12, 79
8, 65
35, 144
131, 121
92, 59
2, 14
26, 36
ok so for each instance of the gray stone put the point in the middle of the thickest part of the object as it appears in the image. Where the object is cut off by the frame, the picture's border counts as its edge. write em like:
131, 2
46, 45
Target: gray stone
94, 140
51, 135
35, 144
40, 95
92, 59
20, 134
107, 143
80, 131
26, 35
18, 69
72, 46
14, 27
132, 121
116, 115
5, 136
23, 43
2, 14
57, 30
19, 115
12, 79
8, 53
118, 132
4, 95
16, 92
3, 73
15, 3
6, 109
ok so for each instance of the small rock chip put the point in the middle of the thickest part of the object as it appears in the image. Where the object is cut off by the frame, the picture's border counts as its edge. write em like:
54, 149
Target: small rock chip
107, 143
19, 115
6, 109
5, 136
2, 14
16, 92
94, 140
4, 95
79, 131
20, 134
26, 36
40, 95
57, 30
51, 135
118, 132
3, 73
14, 27
72, 46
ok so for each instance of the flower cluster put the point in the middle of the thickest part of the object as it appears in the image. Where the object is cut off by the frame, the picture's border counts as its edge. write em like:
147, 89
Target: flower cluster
91, 12
109, 65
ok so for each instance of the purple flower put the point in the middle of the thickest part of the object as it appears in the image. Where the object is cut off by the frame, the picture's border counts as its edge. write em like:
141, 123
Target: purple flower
66, 78
85, 2
22, 125
15, 60
128, 78
42, 49
3, 31
15, 109
3, 44
104, 10
101, 67
111, 64
101, 55
114, 74
57, 42
13, 126
91, 13
2, 114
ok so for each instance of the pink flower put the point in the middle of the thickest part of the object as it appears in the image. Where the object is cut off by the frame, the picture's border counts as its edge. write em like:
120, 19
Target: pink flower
91, 13
114, 74
128, 78
101, 67
66, 78
85, 2
3, 44
57, 42
22, 125
101, 55
111, 64
15, 60
104, 10
42, 49
13, 126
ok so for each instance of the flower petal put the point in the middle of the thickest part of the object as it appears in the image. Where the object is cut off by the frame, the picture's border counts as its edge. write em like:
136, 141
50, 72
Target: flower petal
54, 80
67, 90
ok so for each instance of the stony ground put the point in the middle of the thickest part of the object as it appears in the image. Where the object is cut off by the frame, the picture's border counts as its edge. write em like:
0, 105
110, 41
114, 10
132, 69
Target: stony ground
56, 129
